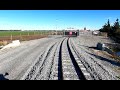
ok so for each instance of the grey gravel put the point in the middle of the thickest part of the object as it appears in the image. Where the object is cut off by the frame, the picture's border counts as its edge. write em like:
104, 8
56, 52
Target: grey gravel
38, 59
16, 61
99, 69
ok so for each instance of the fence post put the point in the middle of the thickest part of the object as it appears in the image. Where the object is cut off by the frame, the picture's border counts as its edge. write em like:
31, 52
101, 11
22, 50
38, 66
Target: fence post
34, 33
28, 33
41, 32
11, 37
20, 37
28, 37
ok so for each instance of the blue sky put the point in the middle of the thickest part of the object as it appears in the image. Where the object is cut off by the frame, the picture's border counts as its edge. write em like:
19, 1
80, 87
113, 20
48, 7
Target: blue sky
55, 19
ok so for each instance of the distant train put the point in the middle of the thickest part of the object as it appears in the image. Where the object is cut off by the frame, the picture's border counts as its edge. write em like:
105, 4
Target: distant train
70, 33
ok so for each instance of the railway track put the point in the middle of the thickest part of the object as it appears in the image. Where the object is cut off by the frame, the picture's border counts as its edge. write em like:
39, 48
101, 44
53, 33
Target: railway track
93, 66
56, 58
58, 62
77, 61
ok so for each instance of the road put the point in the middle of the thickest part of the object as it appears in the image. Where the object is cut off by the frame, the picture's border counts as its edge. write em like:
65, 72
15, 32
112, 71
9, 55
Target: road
16, 61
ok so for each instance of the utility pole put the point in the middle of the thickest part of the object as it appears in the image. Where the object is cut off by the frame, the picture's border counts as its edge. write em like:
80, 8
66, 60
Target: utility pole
20, 37
56, 26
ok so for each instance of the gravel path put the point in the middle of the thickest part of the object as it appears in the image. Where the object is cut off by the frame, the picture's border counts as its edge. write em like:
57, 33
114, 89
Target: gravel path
16, 61
42, 67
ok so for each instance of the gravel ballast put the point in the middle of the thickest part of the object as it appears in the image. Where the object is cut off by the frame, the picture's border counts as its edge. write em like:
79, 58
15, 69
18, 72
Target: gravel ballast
49, 58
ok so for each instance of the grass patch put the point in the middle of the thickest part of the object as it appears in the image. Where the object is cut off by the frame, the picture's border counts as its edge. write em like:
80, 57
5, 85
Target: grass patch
22, 35
18, 33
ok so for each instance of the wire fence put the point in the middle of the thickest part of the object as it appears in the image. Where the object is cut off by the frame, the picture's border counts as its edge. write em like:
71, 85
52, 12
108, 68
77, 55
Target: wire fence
7, 39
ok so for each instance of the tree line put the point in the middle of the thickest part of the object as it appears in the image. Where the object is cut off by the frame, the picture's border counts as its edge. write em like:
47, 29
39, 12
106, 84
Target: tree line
112, 30
10, 30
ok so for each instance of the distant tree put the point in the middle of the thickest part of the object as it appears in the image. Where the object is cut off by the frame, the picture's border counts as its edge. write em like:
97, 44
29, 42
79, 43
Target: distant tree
116, 25
113, 31
108, 23
106, 28
109, 28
